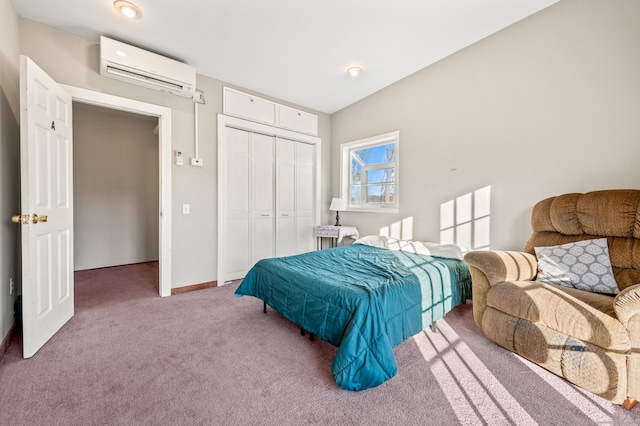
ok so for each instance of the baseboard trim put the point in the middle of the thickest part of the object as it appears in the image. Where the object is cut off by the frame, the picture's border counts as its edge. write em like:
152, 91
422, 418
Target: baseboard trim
193, 287
7, 340
97, 268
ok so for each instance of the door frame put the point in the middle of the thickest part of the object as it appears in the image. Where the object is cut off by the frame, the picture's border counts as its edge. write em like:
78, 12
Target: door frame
164, 141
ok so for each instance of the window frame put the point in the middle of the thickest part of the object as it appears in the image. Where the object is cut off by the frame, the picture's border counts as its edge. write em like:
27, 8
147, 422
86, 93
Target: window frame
346, 150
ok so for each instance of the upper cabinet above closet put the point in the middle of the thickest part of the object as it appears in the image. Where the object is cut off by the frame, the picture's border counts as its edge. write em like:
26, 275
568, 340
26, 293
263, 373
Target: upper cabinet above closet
249, 107
298, 121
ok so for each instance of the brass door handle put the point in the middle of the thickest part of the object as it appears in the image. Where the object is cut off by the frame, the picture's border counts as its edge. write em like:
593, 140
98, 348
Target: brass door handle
37, 218
24, 218
20, 218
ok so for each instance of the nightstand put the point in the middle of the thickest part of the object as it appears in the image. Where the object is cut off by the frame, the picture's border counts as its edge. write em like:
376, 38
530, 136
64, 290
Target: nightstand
336, 233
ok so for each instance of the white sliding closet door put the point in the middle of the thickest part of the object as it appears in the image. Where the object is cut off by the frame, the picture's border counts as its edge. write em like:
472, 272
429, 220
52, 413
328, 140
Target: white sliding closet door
305, 197
295, 195
235, 216
285, 197
248, 217
267, 195
262, 190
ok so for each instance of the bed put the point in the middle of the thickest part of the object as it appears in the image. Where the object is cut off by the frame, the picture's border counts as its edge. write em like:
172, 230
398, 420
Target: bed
364, 299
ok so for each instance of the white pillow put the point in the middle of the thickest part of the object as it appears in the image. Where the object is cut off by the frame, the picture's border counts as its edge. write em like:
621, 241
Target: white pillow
372, 240
583, 264
451, 251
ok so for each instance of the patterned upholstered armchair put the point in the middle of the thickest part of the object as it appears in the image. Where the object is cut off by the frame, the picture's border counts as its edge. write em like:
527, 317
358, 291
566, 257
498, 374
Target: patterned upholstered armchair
590, 339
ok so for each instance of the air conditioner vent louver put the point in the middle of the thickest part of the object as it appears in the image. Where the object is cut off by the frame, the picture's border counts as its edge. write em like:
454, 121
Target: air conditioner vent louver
143, 68
162, 84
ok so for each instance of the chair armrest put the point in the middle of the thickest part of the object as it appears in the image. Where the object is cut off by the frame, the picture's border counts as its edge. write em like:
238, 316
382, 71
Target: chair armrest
627, 304
491, 267
499, 266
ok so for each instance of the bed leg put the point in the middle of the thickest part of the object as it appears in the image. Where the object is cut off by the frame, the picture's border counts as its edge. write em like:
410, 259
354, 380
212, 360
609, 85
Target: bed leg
312, 336
433, 327
629, 403
264, 307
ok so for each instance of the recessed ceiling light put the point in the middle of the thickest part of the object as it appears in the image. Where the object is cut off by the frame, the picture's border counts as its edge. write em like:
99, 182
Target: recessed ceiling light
354, 71
127, 9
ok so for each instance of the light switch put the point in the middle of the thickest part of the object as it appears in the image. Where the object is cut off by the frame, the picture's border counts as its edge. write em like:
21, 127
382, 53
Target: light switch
186, 208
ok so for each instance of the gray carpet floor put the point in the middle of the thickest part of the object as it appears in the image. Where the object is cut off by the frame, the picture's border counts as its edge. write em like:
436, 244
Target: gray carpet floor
129, 357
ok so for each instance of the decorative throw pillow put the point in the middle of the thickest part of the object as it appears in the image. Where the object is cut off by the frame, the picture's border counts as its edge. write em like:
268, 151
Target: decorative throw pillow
584, 265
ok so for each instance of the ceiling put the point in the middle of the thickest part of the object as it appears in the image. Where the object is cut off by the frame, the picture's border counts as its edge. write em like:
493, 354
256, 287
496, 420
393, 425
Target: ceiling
294, 50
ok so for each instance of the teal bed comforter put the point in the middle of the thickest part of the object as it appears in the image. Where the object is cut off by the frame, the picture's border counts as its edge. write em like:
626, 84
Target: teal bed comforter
365, 300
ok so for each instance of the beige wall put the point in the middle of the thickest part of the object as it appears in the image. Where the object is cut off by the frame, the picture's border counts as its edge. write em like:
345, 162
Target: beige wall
115, 189
73, 60
547, 106
9, 159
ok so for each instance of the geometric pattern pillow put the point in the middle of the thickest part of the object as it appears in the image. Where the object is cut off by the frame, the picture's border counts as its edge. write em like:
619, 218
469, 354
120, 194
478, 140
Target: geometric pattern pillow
584, 265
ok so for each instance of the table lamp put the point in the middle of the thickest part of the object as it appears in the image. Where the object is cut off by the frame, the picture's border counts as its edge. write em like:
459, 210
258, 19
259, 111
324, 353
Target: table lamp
337, 204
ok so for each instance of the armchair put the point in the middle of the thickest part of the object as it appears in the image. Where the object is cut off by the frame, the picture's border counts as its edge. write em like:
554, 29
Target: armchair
590, 339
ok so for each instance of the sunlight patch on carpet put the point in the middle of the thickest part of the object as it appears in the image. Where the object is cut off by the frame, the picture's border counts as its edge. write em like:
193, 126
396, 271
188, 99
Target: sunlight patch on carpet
474, 393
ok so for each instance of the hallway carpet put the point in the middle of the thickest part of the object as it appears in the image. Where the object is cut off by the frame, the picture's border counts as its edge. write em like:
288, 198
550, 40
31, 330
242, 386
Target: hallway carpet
130, 357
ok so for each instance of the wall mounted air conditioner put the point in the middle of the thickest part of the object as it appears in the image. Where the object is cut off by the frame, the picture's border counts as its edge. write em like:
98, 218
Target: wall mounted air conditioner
143, 68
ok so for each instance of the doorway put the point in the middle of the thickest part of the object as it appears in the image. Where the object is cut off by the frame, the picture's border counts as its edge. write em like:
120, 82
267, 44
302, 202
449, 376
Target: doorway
115, 188
163, 116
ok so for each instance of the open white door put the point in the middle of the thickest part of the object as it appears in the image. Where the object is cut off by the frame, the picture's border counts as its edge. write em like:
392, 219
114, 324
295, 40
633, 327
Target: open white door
46, 161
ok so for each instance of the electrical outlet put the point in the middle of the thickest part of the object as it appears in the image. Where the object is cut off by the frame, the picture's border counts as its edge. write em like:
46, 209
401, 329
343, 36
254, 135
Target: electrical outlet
196, 162
10, 285
186, 208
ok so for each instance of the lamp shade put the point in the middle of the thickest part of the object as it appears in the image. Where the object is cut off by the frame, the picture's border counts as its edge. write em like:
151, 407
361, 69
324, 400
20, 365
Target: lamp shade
338, 204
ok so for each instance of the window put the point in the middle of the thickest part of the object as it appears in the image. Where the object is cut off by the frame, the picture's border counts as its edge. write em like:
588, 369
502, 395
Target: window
370, 173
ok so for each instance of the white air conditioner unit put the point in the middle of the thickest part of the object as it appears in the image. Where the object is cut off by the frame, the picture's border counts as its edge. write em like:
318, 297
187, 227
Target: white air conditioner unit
143, 68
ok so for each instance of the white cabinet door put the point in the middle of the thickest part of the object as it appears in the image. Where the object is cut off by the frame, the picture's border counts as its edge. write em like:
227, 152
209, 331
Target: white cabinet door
262, 195
298, 121
247, 106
